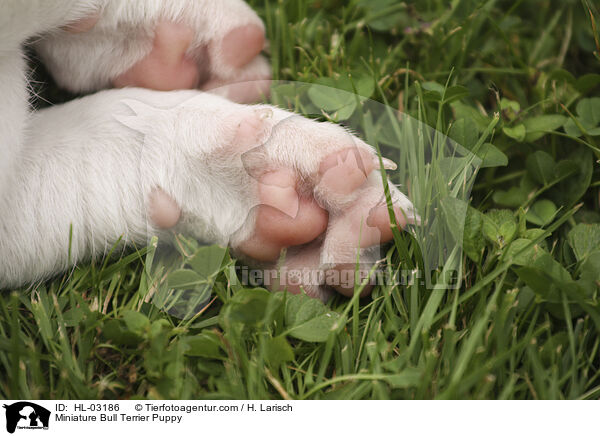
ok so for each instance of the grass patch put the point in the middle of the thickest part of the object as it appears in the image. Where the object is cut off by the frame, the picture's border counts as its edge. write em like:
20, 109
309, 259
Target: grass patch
513, 83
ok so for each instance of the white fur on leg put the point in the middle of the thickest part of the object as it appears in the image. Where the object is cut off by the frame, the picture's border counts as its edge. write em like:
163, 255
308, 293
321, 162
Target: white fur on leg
91, 164
13, 114
19, 21
23, 19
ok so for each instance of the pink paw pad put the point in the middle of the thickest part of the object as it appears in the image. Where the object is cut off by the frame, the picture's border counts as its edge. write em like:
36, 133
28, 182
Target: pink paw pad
164, 212
363, 225
242, 44
346, 170
252, 130
167, 67
379, 218
283, 218
346, 276
300, 272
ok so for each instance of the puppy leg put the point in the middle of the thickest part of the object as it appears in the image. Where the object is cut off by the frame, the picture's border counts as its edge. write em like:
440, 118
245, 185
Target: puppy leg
255, 177
23, 19
14, 112
90, 171
19, 21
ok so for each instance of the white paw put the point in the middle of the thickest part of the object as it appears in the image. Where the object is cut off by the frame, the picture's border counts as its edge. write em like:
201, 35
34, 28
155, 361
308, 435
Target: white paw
141, 162
159, 45
272, 180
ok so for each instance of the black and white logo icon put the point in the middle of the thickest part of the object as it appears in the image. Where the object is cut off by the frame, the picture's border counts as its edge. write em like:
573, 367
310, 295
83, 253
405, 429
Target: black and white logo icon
24, 415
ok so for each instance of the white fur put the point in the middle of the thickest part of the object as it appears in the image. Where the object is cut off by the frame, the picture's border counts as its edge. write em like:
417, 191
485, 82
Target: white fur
91, 164
87, 167
124, 36
30, 188
21, 20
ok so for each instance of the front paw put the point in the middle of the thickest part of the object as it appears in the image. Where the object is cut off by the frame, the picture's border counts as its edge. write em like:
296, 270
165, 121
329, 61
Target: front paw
291, 193
330, 222
210, 45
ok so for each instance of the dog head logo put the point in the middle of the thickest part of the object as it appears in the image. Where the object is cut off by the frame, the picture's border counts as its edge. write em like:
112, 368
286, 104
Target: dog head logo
26, 415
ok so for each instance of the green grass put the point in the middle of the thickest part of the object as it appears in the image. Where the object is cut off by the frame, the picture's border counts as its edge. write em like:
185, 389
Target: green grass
512, 82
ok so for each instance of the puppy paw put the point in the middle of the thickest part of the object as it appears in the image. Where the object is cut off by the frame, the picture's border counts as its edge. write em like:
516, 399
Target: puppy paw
285, 192
190, 44
315, 202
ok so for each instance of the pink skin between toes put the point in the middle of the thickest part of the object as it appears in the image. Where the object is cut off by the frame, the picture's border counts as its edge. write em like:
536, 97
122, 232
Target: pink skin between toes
167, 66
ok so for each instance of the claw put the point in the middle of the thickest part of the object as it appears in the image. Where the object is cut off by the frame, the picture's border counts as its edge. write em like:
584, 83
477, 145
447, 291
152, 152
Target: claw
265, 114
387, 164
